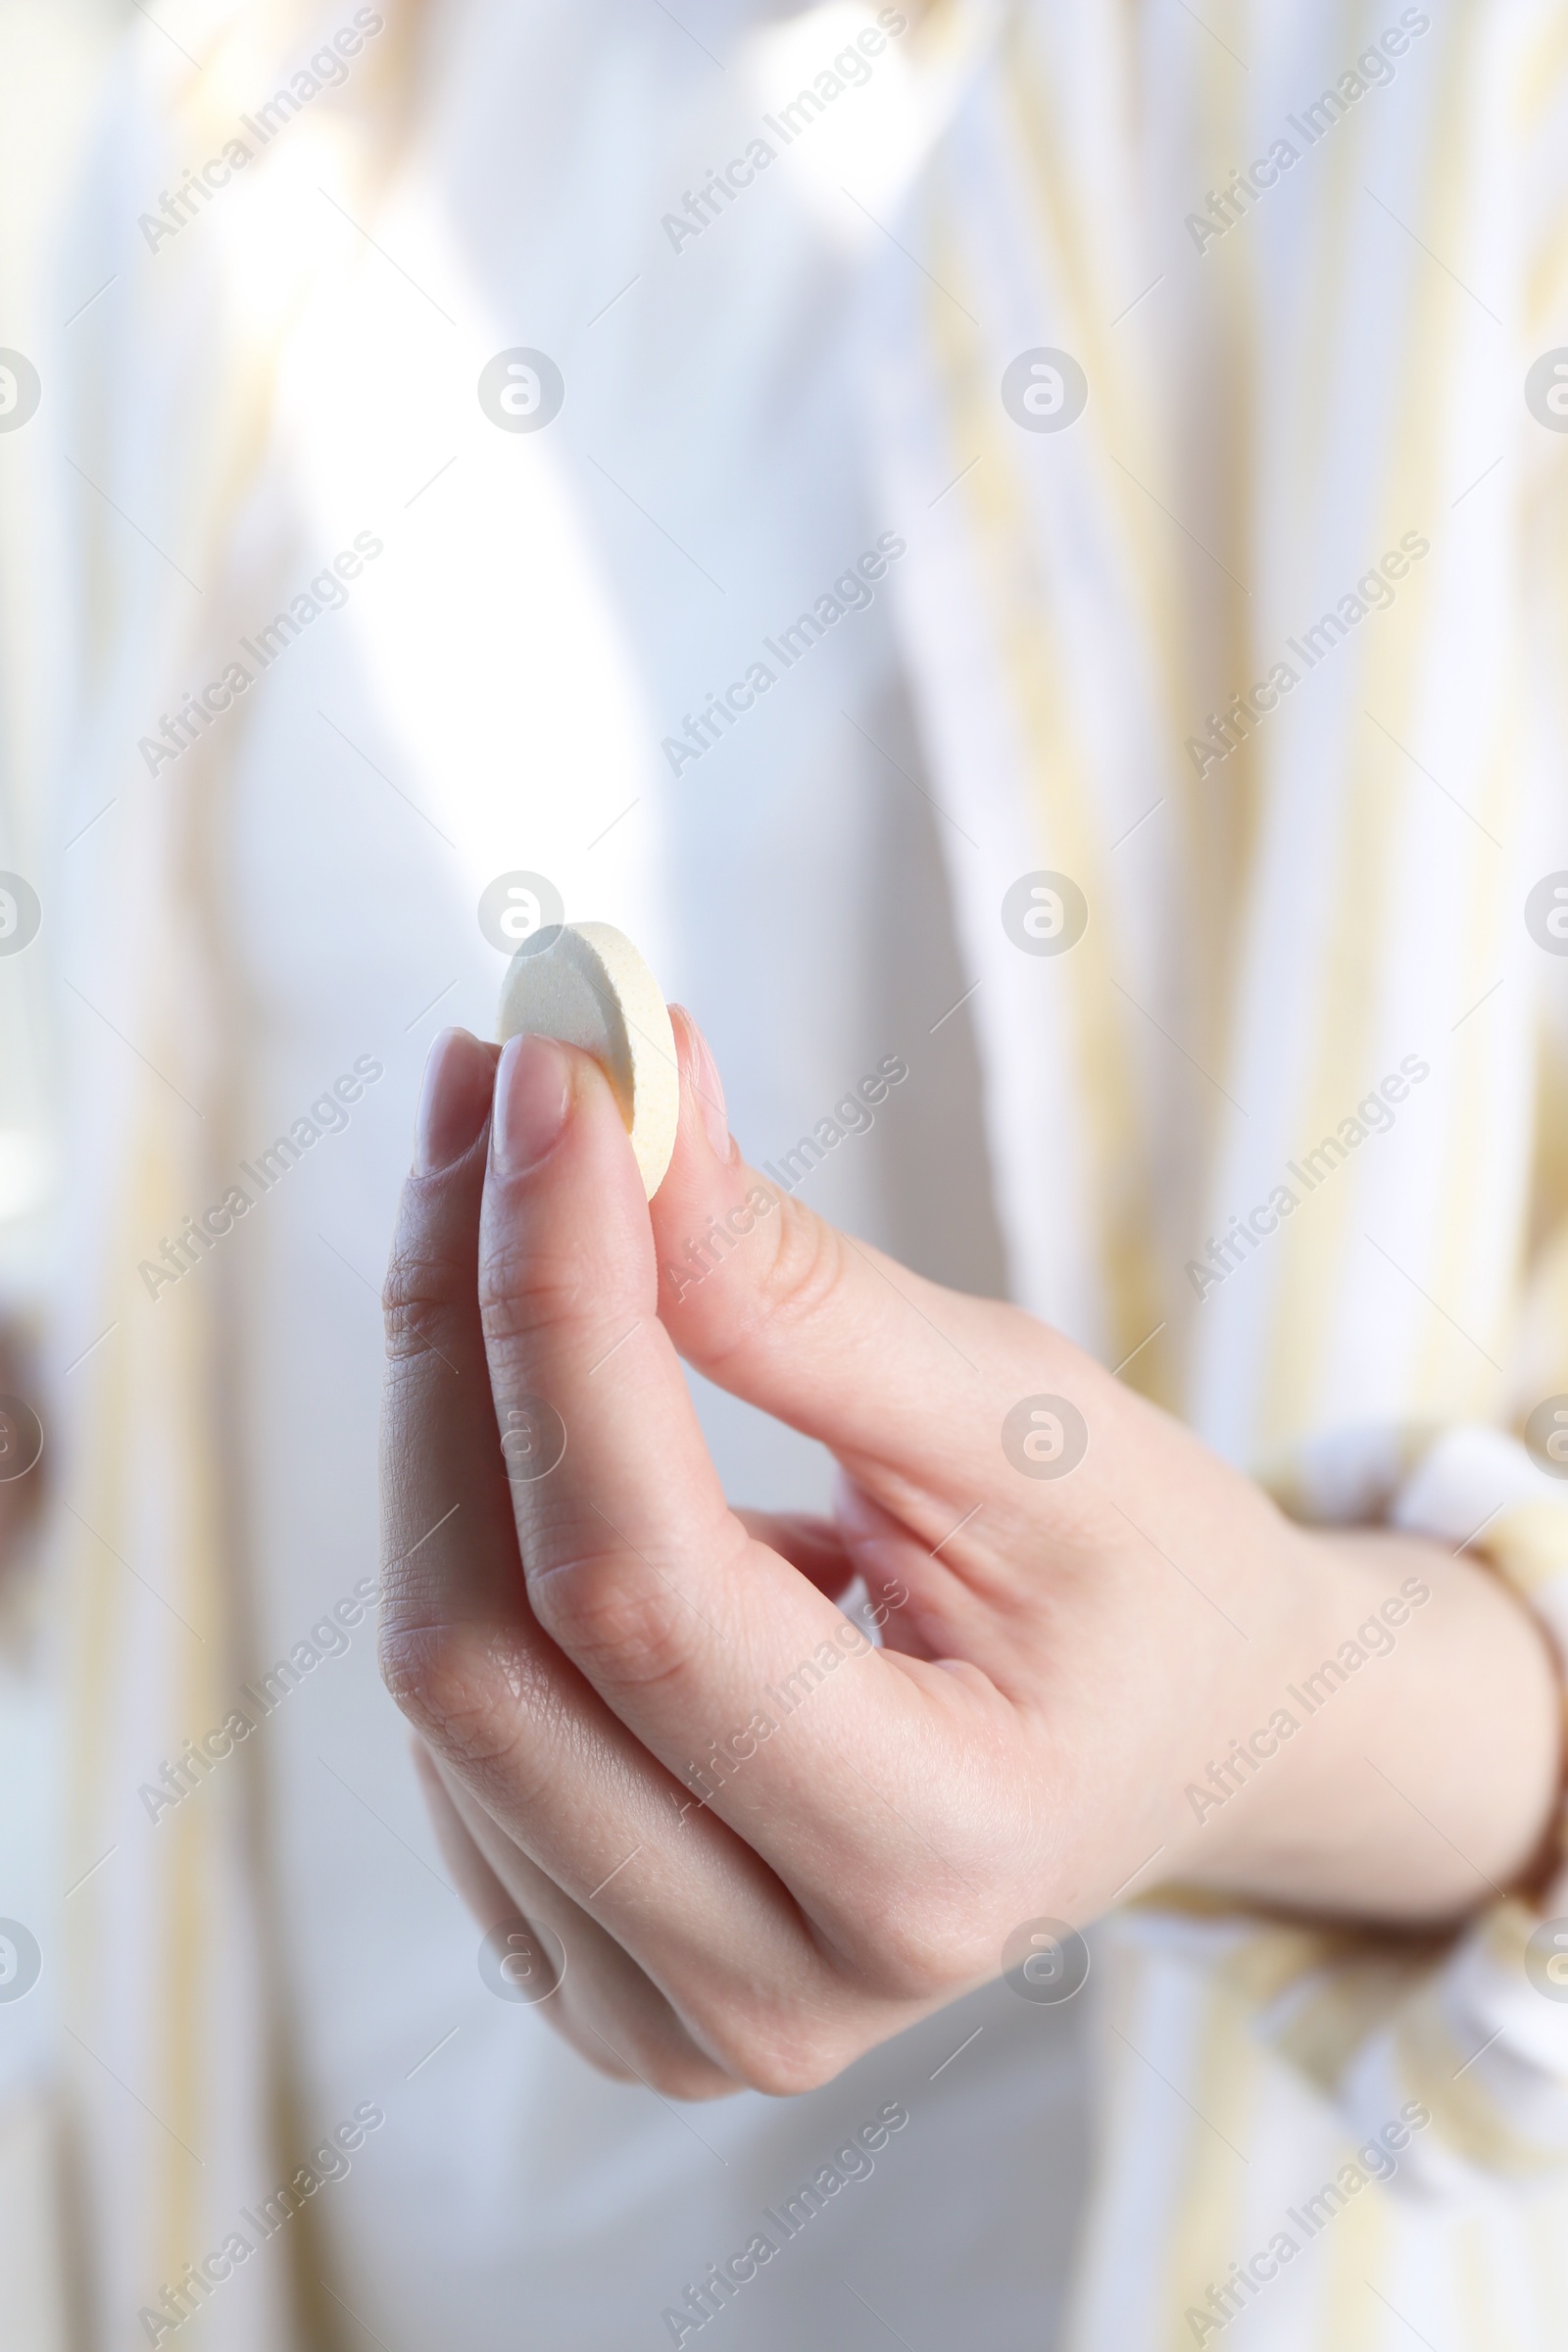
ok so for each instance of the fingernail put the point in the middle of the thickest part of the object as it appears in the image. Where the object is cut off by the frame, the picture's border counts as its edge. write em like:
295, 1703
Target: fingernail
454, 1098
533, 1087
709, 1088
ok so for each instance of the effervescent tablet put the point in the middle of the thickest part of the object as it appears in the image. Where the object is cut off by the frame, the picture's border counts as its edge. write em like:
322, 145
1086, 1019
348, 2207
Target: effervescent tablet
584, 984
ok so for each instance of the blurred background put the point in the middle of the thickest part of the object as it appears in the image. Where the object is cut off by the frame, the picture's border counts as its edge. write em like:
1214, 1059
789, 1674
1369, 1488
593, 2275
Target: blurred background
241, 917
52, 68
56, 61
811, 486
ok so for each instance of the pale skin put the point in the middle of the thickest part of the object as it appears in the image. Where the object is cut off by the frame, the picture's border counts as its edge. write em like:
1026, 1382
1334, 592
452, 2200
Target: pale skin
1056, 1672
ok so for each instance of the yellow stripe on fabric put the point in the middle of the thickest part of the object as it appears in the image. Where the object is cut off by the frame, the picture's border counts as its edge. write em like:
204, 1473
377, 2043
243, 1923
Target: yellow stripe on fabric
1273, 1959
1331, 1988
1550, 1184
167, 1397
1217, 820
1538, 1366
1223, 659
1544, 74
1314, 1242
1527, 1544
149, 1425
1115, 426
1357, 2243
1463, 2112
1459, 1270
195, 1878
1355, 2001
203, 1853
1258, 1961
1134, 471
172, 1481
1505, 1930
1123, 1976
214, 1856
109, 1504
1547, 290
1117, 415
92, 1600
1302, 1296
1204, 2224
1463, 1380
95, 1601
96, 1605
1024, 631
1538, 1361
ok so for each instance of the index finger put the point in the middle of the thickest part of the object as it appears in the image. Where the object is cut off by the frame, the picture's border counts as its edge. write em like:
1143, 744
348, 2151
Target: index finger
695, 1636
508, 1714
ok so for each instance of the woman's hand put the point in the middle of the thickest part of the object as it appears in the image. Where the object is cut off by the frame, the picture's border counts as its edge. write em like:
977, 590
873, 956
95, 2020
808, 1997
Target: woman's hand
764, 1845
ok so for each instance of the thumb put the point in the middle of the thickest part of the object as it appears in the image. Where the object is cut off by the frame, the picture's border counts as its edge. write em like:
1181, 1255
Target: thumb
771, 1302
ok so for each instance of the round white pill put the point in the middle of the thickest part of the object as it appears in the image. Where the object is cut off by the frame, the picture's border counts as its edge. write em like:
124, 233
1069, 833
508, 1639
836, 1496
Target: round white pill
584, 984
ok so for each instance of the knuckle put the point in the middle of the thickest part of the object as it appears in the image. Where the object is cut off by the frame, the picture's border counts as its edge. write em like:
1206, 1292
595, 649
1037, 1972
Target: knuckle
422, 1296
806, 1262
808, 1267
615, 1617
788, 2073
695, 2077
781, 2055
658, 2050
589, 2042
528, 1300
454, 1688
525, 1286
910, 1945
781, 2037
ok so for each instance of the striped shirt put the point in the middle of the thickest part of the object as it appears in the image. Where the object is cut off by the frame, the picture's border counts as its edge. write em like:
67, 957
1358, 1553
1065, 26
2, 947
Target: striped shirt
1261, 649
1207, 374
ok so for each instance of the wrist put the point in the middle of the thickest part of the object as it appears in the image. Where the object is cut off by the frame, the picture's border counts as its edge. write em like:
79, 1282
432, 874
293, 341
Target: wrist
1255, 1757
1409, 1762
